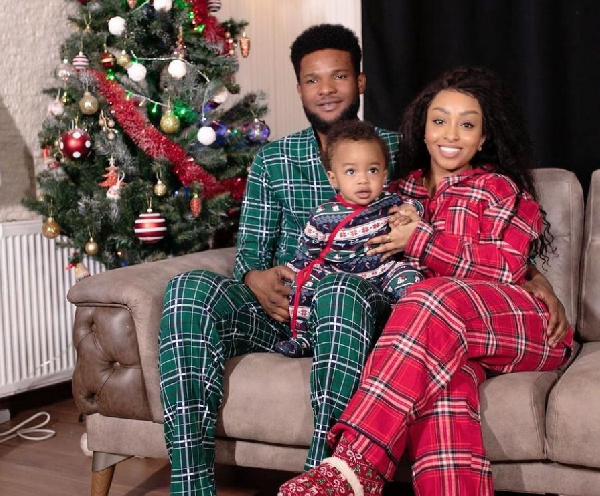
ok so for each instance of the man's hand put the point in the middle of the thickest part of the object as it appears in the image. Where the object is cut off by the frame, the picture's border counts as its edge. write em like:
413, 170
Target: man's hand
270, 290
540, 287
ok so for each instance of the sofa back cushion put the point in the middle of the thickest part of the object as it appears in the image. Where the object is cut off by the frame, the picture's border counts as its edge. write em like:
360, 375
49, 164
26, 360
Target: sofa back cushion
561, 196
589, 307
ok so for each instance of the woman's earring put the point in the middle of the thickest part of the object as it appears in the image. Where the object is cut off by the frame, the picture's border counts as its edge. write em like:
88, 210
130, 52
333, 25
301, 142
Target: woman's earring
480, 147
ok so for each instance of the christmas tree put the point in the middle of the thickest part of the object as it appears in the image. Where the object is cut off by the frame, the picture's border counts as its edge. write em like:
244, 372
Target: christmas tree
146, 149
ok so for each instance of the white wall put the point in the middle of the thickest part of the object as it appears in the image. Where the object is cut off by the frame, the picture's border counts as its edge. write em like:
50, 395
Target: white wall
30, 36
273, 26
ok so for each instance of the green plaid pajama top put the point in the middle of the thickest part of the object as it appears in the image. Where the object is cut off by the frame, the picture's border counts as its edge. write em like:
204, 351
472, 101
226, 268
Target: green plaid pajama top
286, 182
208, 318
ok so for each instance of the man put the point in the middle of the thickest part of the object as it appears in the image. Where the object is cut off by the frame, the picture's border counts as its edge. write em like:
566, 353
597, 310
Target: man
209, 318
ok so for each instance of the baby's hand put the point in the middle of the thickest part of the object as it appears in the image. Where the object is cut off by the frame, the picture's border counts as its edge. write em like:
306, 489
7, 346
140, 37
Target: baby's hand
401, 215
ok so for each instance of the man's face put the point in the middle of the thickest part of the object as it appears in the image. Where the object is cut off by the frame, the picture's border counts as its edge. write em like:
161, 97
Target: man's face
329, 88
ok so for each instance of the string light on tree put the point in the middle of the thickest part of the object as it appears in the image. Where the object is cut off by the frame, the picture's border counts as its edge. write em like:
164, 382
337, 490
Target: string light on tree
161, 160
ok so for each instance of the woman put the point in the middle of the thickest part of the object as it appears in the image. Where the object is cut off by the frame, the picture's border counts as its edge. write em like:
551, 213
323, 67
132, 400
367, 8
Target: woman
466, 156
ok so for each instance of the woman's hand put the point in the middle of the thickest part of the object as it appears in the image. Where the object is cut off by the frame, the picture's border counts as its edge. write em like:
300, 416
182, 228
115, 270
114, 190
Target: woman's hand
403, 222
540, 287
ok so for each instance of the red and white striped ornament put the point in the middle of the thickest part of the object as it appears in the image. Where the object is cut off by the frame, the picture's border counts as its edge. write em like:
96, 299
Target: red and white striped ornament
80, 61
214, 5
150, 227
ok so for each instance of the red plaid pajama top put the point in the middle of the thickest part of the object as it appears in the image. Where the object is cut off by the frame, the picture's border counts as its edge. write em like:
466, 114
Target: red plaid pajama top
468, 318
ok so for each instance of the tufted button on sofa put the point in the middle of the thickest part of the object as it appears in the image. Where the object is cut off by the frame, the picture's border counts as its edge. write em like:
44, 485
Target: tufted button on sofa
541, 429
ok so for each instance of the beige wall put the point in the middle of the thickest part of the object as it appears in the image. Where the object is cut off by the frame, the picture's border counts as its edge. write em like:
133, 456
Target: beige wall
32, 31
273, 26
30, 36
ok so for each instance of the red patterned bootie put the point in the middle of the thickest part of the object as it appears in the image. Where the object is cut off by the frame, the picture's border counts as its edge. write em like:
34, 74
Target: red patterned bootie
345, 473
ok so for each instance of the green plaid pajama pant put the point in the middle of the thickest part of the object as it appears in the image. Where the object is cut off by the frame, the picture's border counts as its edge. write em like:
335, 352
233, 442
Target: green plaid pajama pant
208, 318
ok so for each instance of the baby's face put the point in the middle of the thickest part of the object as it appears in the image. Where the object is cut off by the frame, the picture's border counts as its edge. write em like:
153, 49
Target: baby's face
358, 171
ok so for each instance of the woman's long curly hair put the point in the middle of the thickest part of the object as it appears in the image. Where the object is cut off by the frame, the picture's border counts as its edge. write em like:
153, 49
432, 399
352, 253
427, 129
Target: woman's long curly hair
507, 146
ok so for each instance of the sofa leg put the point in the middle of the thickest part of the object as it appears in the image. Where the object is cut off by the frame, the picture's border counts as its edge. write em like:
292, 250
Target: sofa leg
103, 469
101, 481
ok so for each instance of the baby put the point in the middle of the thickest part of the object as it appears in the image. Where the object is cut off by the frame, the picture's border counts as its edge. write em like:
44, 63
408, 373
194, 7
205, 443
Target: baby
334, 238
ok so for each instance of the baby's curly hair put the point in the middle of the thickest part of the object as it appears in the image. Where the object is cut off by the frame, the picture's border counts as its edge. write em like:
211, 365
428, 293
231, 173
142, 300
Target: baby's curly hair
323, 37
351, 130
507, 146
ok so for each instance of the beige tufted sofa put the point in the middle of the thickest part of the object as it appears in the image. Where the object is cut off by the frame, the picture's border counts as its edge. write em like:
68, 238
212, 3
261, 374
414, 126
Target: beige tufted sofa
541, 429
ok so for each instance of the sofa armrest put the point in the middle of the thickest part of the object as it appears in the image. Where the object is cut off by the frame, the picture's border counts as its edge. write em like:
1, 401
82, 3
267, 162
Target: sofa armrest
131, 298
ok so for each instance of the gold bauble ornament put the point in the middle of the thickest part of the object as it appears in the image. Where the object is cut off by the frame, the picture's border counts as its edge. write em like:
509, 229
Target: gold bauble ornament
50, 228
160, 188
123, 59
169, 123
91, 247
88, 104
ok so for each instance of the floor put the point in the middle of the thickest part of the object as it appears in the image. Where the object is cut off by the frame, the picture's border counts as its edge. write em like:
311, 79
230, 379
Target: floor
58, 466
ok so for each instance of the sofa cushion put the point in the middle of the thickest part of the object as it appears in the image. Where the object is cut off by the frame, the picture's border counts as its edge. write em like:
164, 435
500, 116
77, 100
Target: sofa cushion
573, 417
267, 398
589, 310
561, 196
513, 415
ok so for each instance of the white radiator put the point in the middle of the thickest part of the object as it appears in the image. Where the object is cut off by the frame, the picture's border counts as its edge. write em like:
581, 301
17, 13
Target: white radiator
36, 319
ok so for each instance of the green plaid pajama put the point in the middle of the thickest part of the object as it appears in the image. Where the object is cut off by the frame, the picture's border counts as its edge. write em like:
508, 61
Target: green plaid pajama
208, 318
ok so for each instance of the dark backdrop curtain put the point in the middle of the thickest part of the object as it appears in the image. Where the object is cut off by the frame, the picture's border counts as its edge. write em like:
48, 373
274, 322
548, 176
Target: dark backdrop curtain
548, 50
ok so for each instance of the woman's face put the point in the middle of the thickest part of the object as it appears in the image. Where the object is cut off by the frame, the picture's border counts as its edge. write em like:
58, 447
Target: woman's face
453, 132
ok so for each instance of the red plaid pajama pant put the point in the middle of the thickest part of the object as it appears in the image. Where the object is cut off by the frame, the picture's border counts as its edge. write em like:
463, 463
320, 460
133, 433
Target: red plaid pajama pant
419, 388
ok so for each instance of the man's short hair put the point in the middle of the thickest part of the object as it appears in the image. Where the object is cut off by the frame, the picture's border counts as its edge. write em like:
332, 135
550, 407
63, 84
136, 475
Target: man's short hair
323, 37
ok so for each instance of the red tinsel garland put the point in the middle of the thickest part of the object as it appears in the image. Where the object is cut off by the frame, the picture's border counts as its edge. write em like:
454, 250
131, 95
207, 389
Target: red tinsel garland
155, 144
213, 30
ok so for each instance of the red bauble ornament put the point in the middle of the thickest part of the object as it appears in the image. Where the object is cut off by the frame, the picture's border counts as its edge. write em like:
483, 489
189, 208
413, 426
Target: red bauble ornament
150, 227
75, 143
107, 59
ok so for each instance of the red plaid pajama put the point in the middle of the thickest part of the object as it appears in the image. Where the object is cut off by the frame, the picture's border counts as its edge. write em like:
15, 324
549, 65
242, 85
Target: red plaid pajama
420, 383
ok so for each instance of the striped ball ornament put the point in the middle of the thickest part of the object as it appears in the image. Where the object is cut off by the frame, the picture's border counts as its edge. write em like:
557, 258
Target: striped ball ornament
150, 227
214, 5
80, 61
